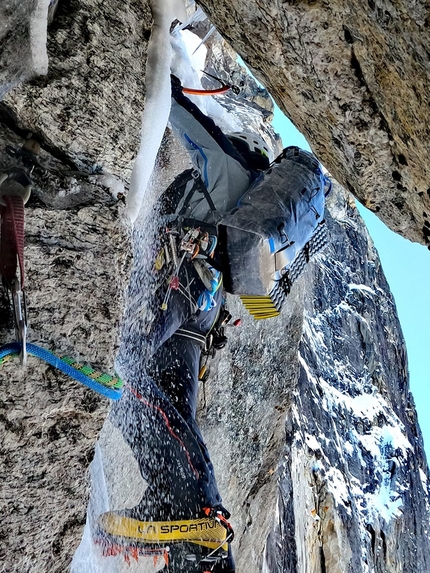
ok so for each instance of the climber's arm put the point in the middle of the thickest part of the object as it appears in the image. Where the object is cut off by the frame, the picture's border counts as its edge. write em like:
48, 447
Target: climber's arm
222, 169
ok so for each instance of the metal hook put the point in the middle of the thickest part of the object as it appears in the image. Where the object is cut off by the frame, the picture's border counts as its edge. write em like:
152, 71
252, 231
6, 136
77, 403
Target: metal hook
234, 89
20, 318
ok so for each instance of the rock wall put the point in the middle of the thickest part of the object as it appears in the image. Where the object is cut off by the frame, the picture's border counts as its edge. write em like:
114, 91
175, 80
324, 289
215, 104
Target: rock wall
77, 262
354, 79
87, 107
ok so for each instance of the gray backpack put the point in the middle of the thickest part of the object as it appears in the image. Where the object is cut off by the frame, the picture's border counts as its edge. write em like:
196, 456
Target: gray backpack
273, 224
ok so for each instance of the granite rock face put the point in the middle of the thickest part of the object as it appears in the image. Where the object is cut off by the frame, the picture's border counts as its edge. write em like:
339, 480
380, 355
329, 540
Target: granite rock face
77, 263
354, 79
308, 417
96, 68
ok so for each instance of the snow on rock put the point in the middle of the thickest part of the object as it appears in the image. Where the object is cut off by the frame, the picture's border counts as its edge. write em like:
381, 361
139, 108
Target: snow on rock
353, 393
157, 103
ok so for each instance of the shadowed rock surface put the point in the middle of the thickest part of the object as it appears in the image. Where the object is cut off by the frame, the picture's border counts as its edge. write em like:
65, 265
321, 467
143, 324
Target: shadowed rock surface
77, 260
308, 417
77, 264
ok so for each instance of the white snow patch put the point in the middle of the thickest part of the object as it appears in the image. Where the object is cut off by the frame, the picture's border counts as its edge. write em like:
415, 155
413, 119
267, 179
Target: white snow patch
387, 445
309, 374
378, 439
385, 503
318, 467
348, 447
364, 288
313, 330
362, 405
114, 184
392, 435
423, 480
312, 442
338, 487
370, 443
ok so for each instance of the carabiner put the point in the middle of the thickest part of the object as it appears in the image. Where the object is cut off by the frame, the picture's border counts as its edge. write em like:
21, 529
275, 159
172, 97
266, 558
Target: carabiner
20, 318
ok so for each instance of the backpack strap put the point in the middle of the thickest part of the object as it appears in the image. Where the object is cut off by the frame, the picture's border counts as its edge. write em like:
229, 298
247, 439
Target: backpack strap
198, 185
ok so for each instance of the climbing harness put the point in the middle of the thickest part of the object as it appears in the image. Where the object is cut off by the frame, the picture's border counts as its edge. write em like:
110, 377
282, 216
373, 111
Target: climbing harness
215, 340
197, 246
104, 384
217, 91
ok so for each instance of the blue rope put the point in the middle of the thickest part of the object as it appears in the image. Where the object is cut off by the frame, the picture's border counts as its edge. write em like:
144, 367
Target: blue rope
46, 356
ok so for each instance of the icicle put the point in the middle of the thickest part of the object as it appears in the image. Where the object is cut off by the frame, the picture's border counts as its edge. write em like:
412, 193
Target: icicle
208, 35
38, 37
157, 104
197, 16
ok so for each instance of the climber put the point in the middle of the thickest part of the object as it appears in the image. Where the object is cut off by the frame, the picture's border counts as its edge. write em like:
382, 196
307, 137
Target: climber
156, 416
180, 507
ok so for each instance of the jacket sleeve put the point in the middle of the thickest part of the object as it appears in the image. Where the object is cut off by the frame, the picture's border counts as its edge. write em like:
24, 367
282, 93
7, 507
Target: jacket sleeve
223, 170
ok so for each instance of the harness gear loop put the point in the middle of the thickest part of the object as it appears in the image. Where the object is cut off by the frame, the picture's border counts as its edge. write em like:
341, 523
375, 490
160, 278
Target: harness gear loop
15, 191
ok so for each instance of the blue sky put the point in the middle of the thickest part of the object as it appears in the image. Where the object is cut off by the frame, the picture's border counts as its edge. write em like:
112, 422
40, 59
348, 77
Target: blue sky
407, 268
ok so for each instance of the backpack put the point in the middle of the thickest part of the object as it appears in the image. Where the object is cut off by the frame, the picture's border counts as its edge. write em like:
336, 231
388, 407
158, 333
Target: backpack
274, 221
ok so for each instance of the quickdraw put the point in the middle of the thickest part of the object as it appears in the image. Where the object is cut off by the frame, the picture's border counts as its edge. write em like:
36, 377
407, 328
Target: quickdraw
15, 190
195, 245
218, 91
